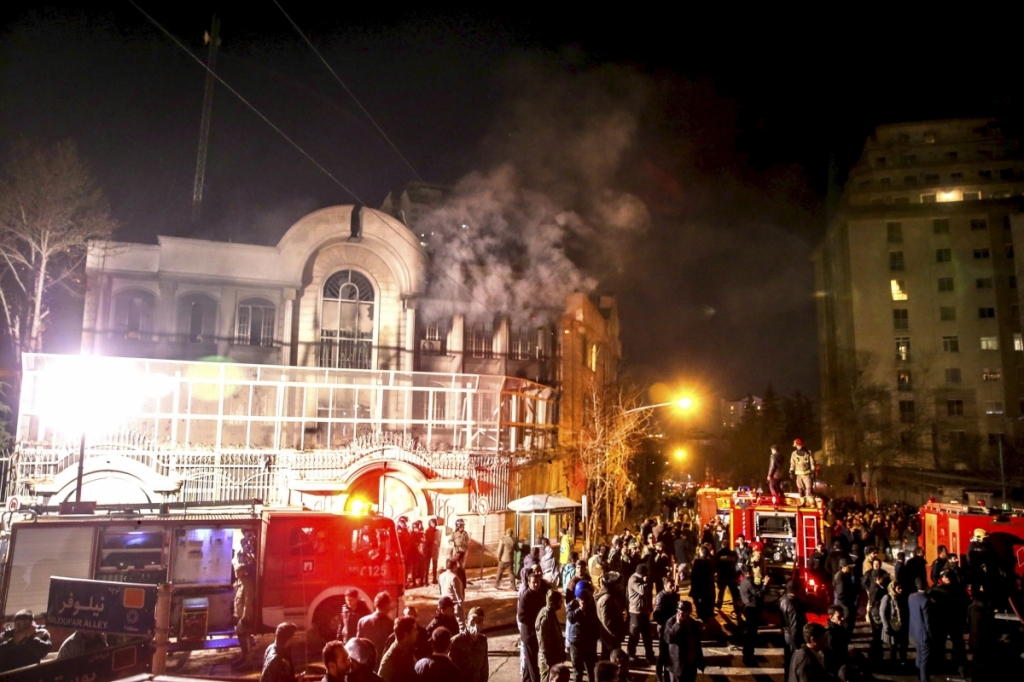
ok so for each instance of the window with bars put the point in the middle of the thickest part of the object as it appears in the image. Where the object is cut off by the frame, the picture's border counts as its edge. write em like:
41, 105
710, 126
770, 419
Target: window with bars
255, 323
133, 314
521, 343
481, 340
347, 321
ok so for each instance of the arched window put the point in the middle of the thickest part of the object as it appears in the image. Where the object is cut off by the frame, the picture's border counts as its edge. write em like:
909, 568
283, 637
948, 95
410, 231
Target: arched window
197, 318
255, 323
133, 314
346, 321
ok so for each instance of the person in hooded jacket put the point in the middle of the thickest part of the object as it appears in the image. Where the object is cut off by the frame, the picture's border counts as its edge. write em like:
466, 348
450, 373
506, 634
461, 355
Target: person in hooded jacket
665, 607
24, 643
582, 631
892, 610
639, 613
702, 584
610, 613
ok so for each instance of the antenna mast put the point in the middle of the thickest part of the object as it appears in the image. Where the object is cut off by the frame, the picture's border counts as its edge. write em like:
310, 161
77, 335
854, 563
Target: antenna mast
212, 38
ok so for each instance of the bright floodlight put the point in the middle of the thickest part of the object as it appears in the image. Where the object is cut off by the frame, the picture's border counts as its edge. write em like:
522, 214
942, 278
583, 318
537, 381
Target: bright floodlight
680, 454
685, 403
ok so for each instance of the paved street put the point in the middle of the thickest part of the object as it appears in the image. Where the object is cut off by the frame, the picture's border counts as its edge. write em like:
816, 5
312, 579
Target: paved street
724, 663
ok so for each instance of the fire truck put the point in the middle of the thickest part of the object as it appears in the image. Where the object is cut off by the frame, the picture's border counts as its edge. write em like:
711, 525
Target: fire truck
305, 563
953, 525
789, 527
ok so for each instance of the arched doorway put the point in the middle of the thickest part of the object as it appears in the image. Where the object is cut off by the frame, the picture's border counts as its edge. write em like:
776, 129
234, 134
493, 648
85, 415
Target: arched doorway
107, 487
394, 487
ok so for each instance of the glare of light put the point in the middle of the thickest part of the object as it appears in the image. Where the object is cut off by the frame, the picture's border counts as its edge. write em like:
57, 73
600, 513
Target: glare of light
680, 454
951, 195
685, 403
94, 395
359, 506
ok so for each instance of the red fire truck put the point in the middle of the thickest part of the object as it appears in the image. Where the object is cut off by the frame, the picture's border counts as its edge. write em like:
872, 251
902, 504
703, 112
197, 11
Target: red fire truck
788, 527
305, 562
953, 525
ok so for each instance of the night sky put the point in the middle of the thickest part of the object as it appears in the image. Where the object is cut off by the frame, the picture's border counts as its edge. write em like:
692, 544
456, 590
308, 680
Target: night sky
738, 132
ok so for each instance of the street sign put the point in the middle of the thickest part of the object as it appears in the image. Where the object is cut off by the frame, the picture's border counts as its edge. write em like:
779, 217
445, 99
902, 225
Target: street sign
101, 606
482, 505
13, 504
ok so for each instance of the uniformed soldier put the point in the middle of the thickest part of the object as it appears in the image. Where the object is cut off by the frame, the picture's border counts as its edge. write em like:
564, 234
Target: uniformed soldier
801, 466
459, 540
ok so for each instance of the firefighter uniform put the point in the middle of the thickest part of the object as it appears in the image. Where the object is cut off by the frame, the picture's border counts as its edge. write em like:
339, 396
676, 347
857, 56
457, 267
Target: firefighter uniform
801, 466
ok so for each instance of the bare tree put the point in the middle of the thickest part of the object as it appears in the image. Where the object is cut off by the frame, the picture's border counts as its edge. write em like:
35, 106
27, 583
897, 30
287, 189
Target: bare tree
50, 208
611, 438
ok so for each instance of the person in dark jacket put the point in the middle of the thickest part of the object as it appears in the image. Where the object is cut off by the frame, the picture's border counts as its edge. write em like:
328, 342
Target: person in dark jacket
837, 654
422, 646
844, 588
794, 618
336, 661
352, 610
893, 612
531, 601
639, 613
277, 660
879, 589
24, 643
438, 667
949, 605
398, 662
807, 665
550, 640
775, 473
469, 649
683, 637
727, 580
444, 617
939, 565
982, 635
666, 603
834, 558
921, 628
752, 598
702, 584
611, 613
582, 631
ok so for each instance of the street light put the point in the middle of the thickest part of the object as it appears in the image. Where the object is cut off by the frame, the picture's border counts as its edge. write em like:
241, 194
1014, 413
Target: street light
684, 403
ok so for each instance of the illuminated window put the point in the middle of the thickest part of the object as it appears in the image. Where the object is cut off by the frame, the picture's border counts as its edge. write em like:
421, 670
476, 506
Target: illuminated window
952, 375
347, 321
907, 411
592, 361
947, 313
940, 225
994, 407
983, 283
1018, 342
982, 253
949, 195
903, 381
899, 290
951, 344
986, 313
943, 255
991, 375
896, 260
903, 348
979, 224
990, 343
255, 323
955, 408
894, 232
900, 319
945, 284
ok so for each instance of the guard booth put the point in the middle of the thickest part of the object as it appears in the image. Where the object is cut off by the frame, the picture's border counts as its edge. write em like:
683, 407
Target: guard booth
542, 516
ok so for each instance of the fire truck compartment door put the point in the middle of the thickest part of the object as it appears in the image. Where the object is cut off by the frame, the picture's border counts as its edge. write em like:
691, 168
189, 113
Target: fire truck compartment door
775, 524
954, 536
36, 554
930, 537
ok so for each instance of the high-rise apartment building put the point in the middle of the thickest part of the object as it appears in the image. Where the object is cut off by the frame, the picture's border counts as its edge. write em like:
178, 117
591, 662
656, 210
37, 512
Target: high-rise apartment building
918, 309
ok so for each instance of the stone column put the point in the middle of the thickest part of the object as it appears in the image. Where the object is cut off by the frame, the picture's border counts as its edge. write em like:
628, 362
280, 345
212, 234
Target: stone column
409, 356
287, 337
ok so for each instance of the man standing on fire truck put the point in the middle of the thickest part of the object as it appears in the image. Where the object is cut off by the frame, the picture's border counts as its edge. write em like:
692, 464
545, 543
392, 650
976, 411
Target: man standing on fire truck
801, 466
775, 472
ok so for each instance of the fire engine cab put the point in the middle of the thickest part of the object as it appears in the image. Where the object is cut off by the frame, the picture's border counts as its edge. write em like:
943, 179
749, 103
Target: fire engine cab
304, 563
953, 525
